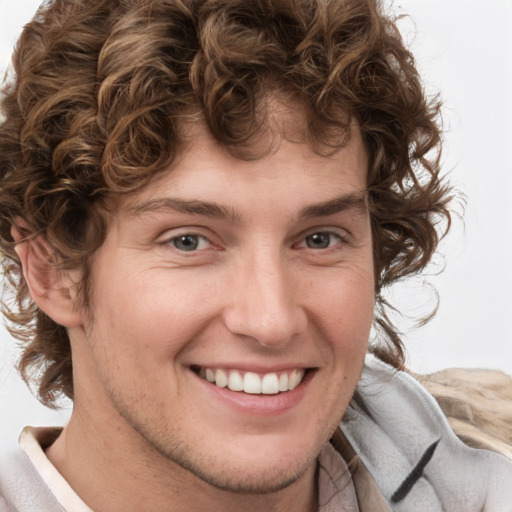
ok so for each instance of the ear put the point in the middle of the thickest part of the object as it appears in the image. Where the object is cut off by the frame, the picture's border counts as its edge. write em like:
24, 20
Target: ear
53, 290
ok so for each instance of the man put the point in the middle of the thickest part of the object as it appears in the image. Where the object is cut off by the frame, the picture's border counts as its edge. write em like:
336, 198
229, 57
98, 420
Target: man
200, 205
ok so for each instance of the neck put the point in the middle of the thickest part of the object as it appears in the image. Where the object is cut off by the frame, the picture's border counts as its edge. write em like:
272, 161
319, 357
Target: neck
111, 468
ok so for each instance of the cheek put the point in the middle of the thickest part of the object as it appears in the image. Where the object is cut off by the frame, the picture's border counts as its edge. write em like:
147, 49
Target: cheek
344, 303
152, 315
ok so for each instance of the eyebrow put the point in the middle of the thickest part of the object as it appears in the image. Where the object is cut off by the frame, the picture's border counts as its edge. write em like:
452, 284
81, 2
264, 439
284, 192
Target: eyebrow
351, 201
203, 208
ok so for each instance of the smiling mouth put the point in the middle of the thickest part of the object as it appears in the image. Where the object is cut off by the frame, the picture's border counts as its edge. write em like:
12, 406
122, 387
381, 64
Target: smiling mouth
251, 382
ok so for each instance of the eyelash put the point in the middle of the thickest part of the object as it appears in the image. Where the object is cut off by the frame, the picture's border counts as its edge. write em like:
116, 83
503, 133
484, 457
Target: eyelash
201, 240
341, 240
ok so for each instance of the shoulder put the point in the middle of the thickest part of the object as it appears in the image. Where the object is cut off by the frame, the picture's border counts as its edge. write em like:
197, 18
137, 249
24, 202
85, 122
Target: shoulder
21, 487
477, 404
406, 442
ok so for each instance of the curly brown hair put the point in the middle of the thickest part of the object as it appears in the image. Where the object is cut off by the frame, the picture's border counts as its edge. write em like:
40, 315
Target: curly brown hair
99, 91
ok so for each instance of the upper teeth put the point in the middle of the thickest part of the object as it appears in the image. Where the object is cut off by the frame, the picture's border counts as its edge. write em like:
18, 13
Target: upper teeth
254, 383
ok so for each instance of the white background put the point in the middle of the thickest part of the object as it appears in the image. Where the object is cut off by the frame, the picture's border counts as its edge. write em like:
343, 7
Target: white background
464, 51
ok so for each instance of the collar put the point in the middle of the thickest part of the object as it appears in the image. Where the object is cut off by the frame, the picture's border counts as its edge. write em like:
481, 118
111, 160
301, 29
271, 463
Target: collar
34, 441
336, 491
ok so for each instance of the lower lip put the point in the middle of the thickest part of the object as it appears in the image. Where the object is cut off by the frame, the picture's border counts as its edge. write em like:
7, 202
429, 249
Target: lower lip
261, 405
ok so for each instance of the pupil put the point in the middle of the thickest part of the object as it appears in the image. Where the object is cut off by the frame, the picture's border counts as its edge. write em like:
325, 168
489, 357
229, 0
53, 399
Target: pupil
186, 243
319, 241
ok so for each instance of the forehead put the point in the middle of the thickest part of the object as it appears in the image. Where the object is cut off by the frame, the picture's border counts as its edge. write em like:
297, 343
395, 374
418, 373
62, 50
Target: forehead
290, 171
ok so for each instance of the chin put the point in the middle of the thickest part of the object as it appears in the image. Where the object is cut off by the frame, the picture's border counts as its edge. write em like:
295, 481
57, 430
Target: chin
245, 466
270, 478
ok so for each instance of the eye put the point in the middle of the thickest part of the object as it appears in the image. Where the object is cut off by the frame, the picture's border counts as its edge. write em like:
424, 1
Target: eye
321, 240
189, 242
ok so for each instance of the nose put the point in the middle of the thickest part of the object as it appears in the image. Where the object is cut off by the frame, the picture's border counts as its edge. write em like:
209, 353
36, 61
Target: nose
263, 303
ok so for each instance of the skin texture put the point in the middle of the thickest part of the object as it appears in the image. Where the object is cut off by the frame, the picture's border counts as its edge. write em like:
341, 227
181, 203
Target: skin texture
258, 293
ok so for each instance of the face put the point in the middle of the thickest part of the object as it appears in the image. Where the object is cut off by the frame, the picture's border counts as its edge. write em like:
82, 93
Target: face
231, 308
